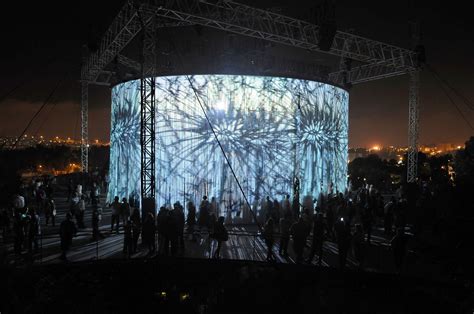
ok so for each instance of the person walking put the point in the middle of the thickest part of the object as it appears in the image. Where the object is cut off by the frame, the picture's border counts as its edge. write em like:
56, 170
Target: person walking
319, 229
191, 220
136, 228
219, 234
67, 231
358, 245
299, 230
115, 215
124, 210
399, 244
269, 238
285, 224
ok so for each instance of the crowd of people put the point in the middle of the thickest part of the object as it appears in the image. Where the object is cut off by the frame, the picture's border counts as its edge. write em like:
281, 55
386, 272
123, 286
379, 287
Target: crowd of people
345, 219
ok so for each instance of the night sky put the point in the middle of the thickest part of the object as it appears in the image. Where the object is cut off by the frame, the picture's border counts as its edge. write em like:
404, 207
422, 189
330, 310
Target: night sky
41, 45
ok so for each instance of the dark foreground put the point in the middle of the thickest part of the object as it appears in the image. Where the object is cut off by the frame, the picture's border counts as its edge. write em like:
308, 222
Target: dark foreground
184, 285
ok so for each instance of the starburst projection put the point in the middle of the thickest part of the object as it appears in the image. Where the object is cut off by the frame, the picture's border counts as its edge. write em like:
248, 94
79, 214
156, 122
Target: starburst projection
271, 128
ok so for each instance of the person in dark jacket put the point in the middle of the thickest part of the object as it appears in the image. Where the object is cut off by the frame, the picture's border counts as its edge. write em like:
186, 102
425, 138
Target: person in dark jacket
148, 235
399, 245
319, 229
285, 224
343, 236
299, 230
220, 234
67, 231
269, 238
136, 228
127, 238
191, 219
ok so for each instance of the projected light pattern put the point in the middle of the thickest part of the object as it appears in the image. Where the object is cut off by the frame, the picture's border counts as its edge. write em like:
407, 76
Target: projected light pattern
271, 129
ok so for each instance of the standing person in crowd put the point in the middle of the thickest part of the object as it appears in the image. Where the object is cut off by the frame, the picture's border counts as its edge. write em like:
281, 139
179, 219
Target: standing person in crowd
358, 245
40, 199
96, 218
163, 242
34, 230
319, 229
171, 230
399, 244
285, 224
95, 194
115, 215
124, 210
389, 209
80, 213
220, 234
148, 235
191, 219
50, 212
299, 230
127, 239
136, 228
343, 235
204, 218
269, 238
179, 216
367, 221
67, 231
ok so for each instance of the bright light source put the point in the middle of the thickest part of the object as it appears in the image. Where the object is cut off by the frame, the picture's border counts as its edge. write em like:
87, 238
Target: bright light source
221, 104
184, 296
459, 147
376, 147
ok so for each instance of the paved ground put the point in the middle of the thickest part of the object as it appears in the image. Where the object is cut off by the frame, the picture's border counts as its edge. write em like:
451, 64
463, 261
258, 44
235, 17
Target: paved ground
243, 244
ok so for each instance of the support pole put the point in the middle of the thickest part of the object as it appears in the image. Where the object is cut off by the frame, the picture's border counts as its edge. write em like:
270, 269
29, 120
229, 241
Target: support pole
147, 110
84, 126
413, 119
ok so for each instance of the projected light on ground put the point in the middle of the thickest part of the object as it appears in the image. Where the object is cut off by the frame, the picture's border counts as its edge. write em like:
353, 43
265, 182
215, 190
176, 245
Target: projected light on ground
271, 128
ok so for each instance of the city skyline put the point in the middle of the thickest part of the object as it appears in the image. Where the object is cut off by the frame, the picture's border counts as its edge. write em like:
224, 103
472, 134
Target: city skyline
46, 49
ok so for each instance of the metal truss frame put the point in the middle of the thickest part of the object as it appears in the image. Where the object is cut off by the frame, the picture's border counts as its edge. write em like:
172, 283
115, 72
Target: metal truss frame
379, 60
413, 125
147, 111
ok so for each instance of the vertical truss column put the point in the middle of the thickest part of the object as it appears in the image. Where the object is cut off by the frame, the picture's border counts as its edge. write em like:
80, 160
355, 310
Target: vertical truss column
84, 126
147, 131
413, 118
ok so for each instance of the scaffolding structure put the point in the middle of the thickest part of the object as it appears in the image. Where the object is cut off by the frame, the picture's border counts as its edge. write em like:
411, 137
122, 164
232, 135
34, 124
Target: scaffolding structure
362, 59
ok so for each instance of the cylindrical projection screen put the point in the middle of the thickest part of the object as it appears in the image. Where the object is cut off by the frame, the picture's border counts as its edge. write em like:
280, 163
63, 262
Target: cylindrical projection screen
271, 128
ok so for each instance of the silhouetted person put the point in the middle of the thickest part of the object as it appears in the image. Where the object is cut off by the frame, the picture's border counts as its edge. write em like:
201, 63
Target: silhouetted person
191, 220
148, 234
299, 230
343, 234
80, 212
70, 190
269, 238
358, 245
127, 239
219, 234
179, 216
163, 242
136, 228
67, 231
389, 209
172, 232
33, 230
50, 212
124, 210
367, 221
96, 217
285, 224
399, 243
204, 215
319, 228
115, 215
